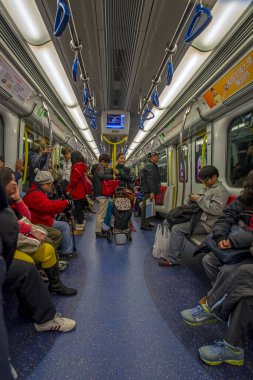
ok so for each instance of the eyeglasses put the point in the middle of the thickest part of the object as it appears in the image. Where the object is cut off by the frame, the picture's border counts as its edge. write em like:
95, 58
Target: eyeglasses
205, 179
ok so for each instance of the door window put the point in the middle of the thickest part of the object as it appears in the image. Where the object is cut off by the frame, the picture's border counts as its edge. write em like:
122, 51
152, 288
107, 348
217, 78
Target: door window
200, 156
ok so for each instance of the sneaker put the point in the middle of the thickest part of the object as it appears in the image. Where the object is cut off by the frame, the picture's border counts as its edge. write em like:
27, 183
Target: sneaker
59, 323
198, 316
221, 352
62, 265
43, 275
68, 256
79, 227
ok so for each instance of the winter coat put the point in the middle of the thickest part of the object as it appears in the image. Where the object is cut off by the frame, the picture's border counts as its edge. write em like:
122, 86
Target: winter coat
76, 183
101, 173
236, 213
212, 202
43, 210
66, 169
124, 175
151, 180
36, 160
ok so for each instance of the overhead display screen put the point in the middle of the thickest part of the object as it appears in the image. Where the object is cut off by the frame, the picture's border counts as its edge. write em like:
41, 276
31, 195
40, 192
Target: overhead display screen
115, 121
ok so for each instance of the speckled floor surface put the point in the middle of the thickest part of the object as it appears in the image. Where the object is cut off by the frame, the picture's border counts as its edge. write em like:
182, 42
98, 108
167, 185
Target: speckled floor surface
128, 320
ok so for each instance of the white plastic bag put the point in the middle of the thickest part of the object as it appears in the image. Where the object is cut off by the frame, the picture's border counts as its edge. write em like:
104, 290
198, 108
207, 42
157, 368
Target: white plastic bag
157, 247
162, 241
165, 241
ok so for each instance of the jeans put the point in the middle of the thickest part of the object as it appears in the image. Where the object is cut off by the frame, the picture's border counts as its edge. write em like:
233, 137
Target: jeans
67, 242
178, 233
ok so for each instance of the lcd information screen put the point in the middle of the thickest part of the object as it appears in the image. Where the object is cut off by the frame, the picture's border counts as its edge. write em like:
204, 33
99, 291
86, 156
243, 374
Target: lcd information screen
115, 121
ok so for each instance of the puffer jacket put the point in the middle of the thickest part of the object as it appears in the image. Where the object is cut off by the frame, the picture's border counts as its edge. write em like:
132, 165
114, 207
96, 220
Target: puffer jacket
101, 173
235, 214
42, 209
76, 183
151, 180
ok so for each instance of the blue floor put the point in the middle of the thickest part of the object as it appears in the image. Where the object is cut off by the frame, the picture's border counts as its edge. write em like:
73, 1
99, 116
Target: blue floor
128, 320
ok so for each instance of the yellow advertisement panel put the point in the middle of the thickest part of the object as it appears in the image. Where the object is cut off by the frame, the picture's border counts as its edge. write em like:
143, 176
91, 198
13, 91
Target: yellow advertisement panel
233, 81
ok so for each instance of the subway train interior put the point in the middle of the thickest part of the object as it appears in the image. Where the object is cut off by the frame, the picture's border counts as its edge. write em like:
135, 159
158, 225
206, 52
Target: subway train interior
162, 83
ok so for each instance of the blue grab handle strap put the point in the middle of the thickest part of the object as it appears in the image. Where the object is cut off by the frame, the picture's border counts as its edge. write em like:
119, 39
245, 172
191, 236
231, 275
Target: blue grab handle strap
190, 34
170, 73
86, 96
154, 98
89, 113
61, 18
146, 114
93, 123
75, 69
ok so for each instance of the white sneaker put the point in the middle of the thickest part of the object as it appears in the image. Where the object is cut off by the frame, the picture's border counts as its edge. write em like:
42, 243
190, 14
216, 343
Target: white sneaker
79, 227
59, 323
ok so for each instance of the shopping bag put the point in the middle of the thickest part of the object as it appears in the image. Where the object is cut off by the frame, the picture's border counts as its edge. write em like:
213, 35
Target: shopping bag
165, 242
109, 186
150, 208
157, 247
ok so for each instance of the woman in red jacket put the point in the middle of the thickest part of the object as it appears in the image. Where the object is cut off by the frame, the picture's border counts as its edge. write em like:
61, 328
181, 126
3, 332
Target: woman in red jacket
77, 187
43, 210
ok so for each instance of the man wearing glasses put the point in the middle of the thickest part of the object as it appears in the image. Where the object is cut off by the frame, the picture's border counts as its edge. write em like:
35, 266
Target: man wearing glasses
211, 202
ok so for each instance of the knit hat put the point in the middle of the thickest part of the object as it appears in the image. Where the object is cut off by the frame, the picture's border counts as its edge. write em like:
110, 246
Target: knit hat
43, 177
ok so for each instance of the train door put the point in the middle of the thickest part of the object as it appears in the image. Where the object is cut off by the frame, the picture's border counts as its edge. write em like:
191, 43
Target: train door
171, 198
161, 199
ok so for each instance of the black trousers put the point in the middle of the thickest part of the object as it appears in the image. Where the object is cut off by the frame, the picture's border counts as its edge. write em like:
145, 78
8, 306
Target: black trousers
144, 221
34, 298
79, 206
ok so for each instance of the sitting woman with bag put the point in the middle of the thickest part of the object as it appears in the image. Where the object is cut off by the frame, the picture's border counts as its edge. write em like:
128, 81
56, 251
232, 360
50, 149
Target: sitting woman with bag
79, 186
31, 237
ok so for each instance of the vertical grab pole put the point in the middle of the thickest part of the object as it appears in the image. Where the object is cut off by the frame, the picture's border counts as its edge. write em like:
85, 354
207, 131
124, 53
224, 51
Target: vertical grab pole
26, 158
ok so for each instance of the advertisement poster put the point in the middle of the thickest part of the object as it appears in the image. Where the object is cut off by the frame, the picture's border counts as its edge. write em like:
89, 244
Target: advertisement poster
229, 84
12, 83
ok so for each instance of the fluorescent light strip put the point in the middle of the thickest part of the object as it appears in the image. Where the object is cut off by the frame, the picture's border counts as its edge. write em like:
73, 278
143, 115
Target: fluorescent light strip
28, 20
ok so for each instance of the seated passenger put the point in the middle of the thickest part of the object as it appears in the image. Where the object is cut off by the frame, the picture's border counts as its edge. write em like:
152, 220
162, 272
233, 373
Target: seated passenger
76, 187
23, 277
43, 210
45, 254
211, 202
231, 296
101, 172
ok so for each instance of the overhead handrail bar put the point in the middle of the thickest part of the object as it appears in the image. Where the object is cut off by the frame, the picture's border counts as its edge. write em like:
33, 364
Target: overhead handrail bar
76, 46
170, 50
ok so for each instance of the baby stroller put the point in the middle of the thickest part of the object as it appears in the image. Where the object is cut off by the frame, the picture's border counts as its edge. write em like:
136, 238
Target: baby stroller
121, 216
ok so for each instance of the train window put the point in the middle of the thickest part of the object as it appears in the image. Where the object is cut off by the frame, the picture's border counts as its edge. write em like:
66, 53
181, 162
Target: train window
185, 163
200, 156
240, 149
1, 137
163, 166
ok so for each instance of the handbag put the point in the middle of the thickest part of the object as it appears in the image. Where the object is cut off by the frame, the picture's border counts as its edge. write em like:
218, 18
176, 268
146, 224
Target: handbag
26, 242
230, 255
109, 186
183, 214
86, 183
161, 244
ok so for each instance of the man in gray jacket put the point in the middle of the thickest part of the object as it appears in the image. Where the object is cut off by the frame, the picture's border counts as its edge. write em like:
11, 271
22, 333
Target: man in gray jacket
211, 202
151, 183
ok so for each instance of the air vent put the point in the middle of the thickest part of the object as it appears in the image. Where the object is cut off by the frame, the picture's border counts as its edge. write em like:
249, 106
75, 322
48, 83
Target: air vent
244, 91
4, 94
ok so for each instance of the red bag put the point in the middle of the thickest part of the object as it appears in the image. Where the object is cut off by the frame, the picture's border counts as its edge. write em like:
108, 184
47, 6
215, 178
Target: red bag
88, 185
109, 186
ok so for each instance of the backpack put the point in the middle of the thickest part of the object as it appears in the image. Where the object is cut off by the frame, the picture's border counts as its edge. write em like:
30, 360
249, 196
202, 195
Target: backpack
183, 214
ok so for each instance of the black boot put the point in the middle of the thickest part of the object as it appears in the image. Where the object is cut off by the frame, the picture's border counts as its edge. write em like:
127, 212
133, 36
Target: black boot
55, 284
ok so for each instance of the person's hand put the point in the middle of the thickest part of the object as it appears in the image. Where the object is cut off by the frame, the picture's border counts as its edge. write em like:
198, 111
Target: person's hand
151, 196
115, 171
38, 234
16, 195
19, 166
193, 197
48, 149
224, 244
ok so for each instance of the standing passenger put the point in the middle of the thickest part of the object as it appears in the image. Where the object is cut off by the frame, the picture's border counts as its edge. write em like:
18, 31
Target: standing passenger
151, 183
76, 187
66, 163
37, 157
101, 173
